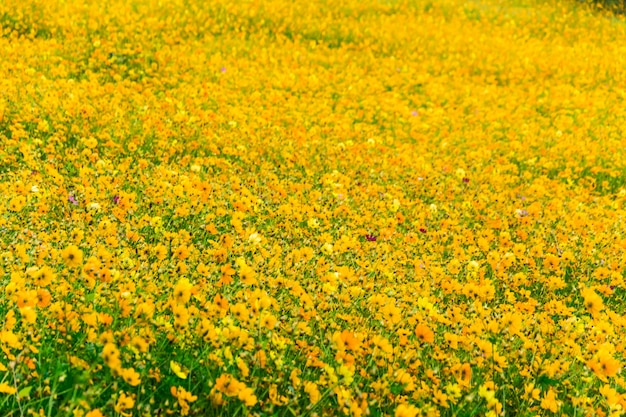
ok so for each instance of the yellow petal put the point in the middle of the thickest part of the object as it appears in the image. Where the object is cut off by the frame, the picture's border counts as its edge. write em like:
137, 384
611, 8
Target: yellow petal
7, 389
179, 370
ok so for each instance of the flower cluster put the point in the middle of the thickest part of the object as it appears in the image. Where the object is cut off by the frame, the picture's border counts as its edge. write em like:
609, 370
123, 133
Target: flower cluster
399, 208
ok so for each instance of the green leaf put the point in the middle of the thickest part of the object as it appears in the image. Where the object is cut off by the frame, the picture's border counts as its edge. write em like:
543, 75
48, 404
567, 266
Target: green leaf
396, 389
544, 381
24, 392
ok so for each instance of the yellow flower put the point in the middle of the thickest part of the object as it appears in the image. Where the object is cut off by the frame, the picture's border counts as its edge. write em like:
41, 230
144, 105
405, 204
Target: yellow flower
111, 356
184, 398
406, 410
311, 389
240, 312
17, 203
182, 291
6, 388
29, 315
160, 251
123, 404
44, 276
405, 379
247, 276
464, 374
550, 402
268, 321
603, 364
246, 395
140, 344
130, 376
72, 256
181, 315
608, 365
593, 302
178, 370
10, 339
391, 314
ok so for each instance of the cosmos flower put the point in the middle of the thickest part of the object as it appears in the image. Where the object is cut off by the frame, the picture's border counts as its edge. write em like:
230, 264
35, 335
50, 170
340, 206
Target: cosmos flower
72, 256
424, 334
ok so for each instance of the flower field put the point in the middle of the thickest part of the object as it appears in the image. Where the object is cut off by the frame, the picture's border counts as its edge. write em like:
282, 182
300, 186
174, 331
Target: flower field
275, 208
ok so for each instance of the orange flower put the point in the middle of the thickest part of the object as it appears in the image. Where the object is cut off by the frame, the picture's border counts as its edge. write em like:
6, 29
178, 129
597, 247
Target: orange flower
246, 395
227, 275
43, 298
228, 385
350, 341
182, 252
424, 334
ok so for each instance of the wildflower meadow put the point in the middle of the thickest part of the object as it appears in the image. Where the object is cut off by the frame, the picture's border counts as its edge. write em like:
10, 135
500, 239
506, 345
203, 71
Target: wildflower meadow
310, 208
